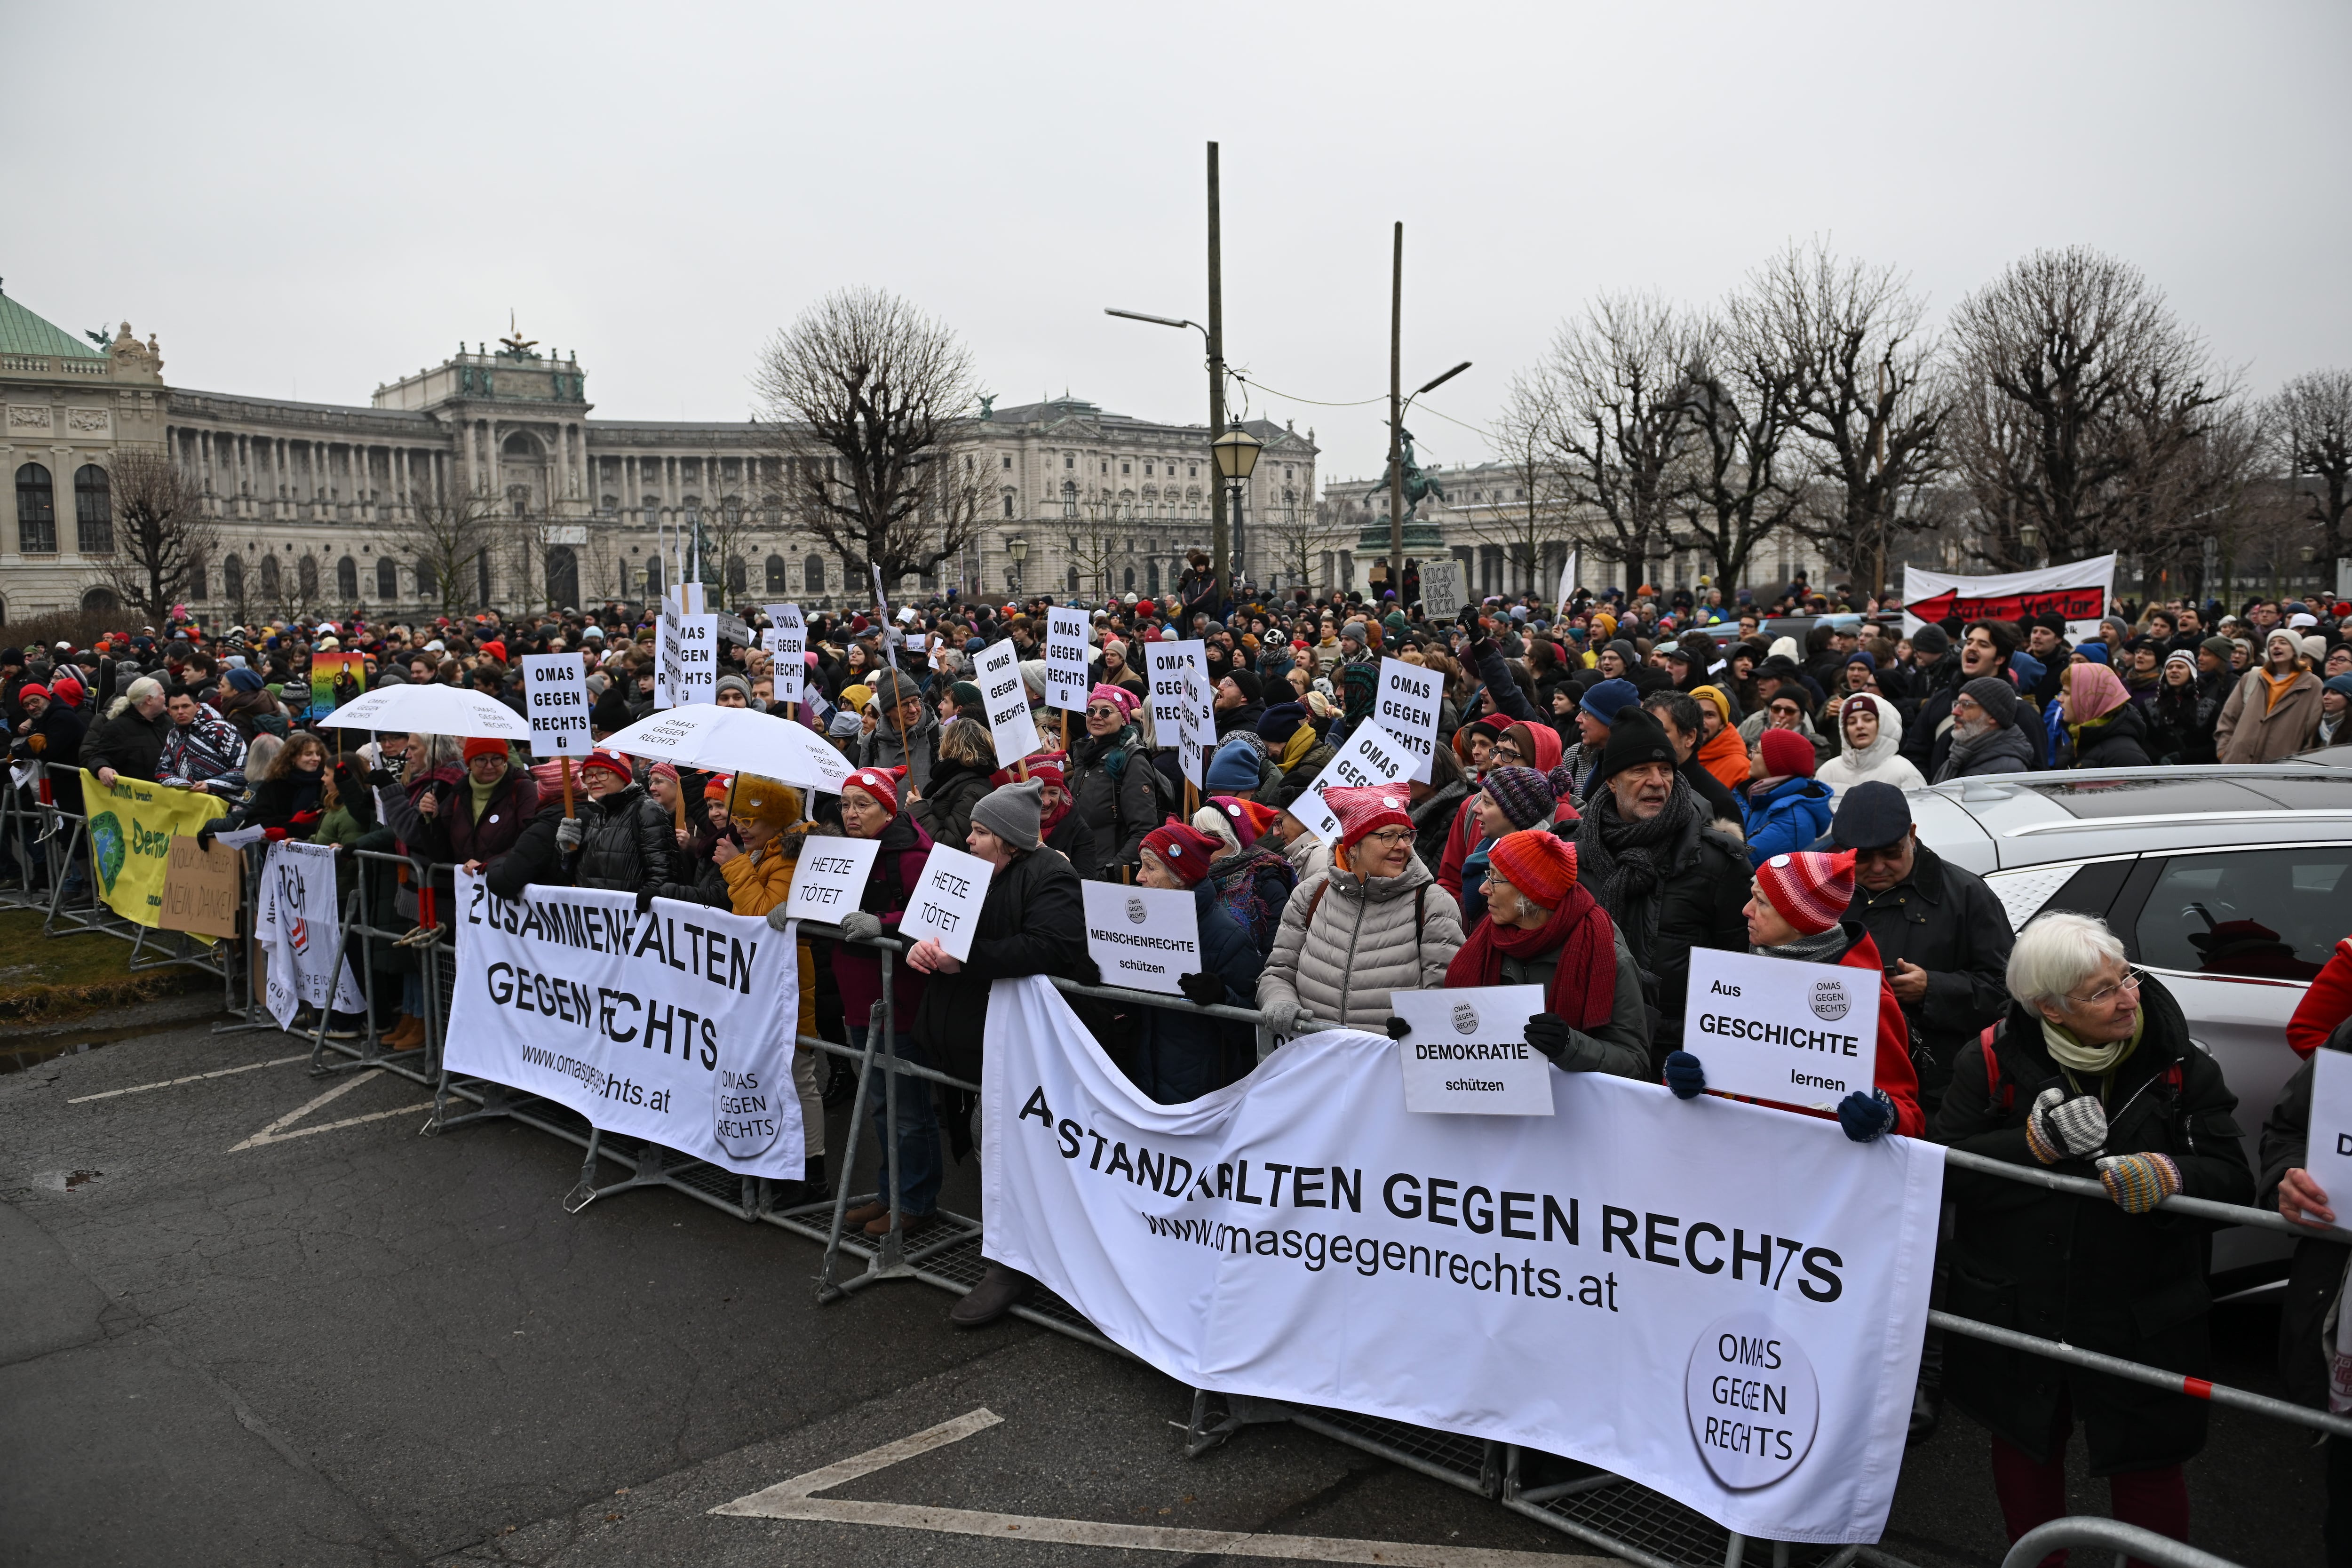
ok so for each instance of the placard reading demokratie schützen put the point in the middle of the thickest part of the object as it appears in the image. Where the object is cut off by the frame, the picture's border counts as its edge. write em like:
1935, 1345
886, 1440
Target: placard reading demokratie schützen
555, 700
1142, 937
1468, 1053
1773, 1028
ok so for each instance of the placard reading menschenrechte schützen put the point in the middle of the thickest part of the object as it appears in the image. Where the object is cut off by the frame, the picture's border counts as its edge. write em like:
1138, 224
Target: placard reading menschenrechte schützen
1142, 937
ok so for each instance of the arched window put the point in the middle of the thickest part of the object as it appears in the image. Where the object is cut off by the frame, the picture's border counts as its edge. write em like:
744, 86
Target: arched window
233, 579
101, 601
1069, 498
306, 573
269, 578
776, 576
739, 575
1130, 580
36, 511
562, 577
93, 512
1074, 580
653, 579
347, 580
428, 580
1008, 503
813, 574
387, 579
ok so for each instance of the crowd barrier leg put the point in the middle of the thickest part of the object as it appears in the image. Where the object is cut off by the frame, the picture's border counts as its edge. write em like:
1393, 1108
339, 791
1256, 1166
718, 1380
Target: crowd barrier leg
2127, 1541
830, 1286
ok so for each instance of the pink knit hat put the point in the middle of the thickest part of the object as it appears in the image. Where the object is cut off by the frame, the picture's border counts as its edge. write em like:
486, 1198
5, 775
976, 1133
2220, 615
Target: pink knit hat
1366, 809
1810, 889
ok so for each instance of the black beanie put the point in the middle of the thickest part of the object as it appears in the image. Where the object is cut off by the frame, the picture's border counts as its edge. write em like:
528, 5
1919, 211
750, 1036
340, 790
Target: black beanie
1633, 739
1252, 688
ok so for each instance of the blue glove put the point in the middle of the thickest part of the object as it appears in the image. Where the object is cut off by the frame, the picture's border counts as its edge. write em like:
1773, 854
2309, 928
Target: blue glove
1684, 1075
1866, 1116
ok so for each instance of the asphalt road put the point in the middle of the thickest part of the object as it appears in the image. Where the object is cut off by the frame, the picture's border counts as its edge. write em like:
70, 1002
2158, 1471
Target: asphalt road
342, 1343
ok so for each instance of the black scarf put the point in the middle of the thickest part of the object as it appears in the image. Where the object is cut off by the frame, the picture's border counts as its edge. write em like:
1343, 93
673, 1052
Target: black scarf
1622, 862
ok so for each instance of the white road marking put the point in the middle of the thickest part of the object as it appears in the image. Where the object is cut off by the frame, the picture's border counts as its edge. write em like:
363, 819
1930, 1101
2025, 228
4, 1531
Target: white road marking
191, 1078
275, 1132
795, 1499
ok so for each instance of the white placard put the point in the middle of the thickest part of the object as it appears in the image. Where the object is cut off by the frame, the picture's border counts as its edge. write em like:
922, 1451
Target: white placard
2328, 1153
695, 678
1143, 937
1007, 701
1178, 674
1371, 756
555, 701
830, 878
881, 599
1468, 1053
1779, 1030
1066, 659
733, 629
945, 903
1406, 707
1568, 581
1441, 589
786, 640
297, 923
666, 658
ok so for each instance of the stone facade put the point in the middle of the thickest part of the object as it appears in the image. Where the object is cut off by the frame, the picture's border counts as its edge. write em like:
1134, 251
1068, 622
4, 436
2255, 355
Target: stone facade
317, 503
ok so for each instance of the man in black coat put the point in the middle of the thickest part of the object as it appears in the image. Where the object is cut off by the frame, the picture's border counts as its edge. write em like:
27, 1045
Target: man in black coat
129, 742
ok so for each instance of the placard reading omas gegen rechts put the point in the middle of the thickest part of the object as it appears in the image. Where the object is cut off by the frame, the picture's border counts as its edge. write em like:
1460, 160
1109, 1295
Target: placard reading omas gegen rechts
1772, 1029
555, 700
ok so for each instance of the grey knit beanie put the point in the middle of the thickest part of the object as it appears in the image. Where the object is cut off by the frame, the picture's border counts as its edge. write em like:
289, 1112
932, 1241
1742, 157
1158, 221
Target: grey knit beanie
1011, 812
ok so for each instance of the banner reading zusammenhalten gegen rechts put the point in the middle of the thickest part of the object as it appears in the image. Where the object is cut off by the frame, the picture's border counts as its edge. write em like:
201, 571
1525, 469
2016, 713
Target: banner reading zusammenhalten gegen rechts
1719, 1300
674, 1025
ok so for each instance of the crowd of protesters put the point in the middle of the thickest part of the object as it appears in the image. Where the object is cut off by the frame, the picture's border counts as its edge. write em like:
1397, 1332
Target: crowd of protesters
1616, 786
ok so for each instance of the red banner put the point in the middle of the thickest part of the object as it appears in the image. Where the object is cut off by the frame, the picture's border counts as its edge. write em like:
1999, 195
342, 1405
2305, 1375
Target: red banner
2068, 604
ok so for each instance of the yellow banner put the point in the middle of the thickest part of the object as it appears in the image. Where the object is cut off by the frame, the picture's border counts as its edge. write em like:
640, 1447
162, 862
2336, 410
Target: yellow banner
131, 828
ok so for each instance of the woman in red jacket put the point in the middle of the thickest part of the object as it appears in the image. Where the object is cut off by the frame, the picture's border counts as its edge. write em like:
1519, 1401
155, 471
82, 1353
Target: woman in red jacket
1798, 913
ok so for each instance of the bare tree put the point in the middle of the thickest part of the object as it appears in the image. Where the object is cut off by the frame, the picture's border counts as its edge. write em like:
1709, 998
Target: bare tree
1610, 397
445, 537
162, 536
2310, 427
882, 389
1295, 539
2078, 395
1740, 390
1867, 395
1537, 515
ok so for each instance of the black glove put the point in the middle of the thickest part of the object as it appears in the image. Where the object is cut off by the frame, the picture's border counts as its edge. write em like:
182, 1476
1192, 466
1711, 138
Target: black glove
1086, 971
382, 778
1547, 1032
644, 900
205, 832
1204, 989
1398, 1028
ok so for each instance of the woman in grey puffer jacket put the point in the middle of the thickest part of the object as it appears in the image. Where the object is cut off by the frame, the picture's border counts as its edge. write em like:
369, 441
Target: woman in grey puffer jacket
1376, 921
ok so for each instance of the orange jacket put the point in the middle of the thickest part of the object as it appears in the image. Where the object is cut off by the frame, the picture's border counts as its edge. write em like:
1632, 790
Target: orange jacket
1726, 756
758, 883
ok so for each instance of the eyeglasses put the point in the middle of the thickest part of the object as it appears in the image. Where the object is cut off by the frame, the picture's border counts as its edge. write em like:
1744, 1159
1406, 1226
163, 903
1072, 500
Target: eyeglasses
1390, 837
2107, 994
1101, 710
1508, 750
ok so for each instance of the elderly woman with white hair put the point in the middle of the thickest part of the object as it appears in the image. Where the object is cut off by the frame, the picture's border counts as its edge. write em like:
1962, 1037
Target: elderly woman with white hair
2275, 709
2090, 1075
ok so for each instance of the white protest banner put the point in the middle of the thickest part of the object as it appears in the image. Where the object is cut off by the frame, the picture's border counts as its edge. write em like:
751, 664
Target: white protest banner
697, 677
787, 640
2327, 1155
1468, 1054
881, 600
1441, 589
1406, 707
1178, 674
300, 927
2078, 590
1143, 937
733, 629
666, 667
555, 701
1611, 1282
946, 902
674, 1025
1066, 659
1772, 1028
1371, 756
1567, 582
830, 878
1007, 701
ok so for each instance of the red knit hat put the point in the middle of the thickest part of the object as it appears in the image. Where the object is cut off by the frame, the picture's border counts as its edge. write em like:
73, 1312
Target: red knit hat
1810, 889
33, 689
1366, 809
1785, 754
611, 762
1183, 848
1250, 819
1542, 865
882, 783
484, 746
495, 648
716, 786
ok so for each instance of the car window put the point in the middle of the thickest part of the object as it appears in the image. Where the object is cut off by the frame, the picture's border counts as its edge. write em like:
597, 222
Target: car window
2276, 913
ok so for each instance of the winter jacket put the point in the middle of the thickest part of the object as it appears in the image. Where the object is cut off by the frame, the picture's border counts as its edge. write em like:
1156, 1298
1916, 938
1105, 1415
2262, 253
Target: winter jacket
1785, 818
945, 810
1722, 805
1704, 884
1433, 825
2245, 732
1180, 1056
2316, 1275
1881, 761
627, 844
1300, 773
55, 740
1946, 921
857, 970
918, 755
2007, 749
132, 745
294, 803
459, 836
2080, 1270
1111, 785
207, 754
1253, 886
760, 882
2116, 739
1074, 835
1032, 921
1724, 754
1346, 942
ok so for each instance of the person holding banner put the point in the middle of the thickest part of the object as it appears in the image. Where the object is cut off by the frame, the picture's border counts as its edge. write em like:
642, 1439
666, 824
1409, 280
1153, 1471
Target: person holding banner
1541, 928
767, 816
1798, 913
1180, 1057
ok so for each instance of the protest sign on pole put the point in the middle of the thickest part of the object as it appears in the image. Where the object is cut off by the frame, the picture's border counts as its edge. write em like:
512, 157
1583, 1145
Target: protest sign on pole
1567, 584
300, 926
697, 680
132, 823
1006, 700
200, 887
666, 656
1467, 1053
555, 701
829, 878
787, 643
674, 1025
2078, 590
1770, 1028
1177, 673
1406, 707
1441, 589
1066, 659
1596, 1283
1371, 756
945, 904
732, 628
1143, 937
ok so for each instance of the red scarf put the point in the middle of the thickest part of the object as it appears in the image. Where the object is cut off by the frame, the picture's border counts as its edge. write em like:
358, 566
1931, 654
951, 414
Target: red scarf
1583, 985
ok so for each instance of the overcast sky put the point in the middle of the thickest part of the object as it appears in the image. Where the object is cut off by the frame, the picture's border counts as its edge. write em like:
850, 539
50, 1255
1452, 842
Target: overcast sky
308, 200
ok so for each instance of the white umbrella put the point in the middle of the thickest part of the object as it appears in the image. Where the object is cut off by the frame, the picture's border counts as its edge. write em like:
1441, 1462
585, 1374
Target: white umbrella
429, 711
735, 740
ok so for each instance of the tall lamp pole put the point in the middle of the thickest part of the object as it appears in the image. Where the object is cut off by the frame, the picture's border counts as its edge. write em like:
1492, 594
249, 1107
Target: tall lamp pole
1396, 418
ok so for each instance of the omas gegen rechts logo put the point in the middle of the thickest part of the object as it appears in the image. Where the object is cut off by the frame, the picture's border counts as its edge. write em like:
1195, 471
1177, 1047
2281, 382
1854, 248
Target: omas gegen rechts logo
1465, 1018
1753, 1402
1135, 911
1829, 1000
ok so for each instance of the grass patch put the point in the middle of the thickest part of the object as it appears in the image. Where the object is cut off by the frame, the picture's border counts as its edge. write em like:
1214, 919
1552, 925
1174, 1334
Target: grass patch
45, 979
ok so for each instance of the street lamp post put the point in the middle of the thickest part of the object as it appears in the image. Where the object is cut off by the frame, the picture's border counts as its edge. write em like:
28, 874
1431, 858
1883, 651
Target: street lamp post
1018, 548
1236, 452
